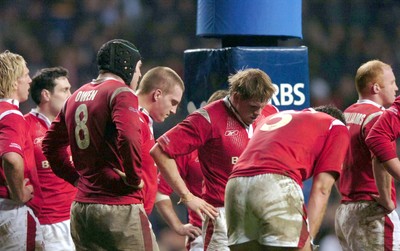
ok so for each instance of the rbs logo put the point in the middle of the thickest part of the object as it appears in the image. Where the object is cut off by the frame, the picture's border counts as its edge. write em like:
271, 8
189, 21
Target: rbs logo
287, 94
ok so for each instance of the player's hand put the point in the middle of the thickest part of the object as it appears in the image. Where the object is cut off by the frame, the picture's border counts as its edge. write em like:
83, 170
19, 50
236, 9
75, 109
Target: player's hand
189, 230
386, 204
123, 177
27, 193
200, 206
314, 247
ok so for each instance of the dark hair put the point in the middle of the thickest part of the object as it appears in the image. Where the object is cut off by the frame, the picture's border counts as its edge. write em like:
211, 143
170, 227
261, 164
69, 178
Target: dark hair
44, 79
331, 110
120, 57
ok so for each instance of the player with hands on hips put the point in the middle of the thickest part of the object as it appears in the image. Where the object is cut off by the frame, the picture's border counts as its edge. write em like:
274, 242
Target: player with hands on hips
360, 222
50, 88
20, 193
100, 122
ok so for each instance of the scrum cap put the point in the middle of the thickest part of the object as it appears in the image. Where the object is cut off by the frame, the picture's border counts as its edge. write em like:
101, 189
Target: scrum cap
120, 57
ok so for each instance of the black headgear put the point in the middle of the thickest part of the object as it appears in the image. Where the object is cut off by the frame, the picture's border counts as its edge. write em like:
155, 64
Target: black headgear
120, 57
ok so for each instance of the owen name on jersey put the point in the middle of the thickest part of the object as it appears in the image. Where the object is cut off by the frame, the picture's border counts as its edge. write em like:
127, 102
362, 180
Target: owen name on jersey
354, 118
85, 96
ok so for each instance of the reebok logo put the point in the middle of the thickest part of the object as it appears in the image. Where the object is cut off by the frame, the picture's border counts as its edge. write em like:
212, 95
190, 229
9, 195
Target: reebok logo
38, 140
230, 133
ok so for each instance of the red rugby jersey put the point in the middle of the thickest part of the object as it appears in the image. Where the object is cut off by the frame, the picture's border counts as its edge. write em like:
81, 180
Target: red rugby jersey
298, 144
357, 181
219, 136
57, 193
15, 137
384, 133
100, 122
149, 168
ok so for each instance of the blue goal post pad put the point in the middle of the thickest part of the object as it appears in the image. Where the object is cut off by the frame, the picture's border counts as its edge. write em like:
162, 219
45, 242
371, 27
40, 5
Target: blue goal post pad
207, 70
219, 18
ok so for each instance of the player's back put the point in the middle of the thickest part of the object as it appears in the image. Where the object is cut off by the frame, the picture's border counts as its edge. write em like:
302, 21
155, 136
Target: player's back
295, 144
89, 123
103, 127
357, 179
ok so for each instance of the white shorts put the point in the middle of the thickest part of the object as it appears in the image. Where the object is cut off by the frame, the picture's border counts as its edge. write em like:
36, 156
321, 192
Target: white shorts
19, 227
57, 237
365, 226
196, 244
215, 232
111, 227
267, 208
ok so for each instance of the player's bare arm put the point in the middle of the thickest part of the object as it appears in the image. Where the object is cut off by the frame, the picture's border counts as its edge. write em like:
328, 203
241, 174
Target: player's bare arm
393, 167
165, 208
383, 182
320, 192
13, 165
169, 171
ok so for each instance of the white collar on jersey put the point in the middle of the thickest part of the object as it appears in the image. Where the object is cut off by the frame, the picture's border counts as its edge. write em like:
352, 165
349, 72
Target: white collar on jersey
143, 110
101, 80
368, 101
11, 101
41, 116
249, 128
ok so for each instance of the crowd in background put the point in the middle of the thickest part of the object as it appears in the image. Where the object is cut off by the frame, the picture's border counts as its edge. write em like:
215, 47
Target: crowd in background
340, 36
69, 32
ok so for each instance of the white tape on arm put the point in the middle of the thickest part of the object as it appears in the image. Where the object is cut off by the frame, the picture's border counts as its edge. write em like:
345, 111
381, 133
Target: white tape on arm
161, 196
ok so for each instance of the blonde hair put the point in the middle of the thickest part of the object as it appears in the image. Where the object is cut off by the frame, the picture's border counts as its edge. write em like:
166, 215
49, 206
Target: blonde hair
218, 94
11, 68
251, 84
369, 72
163, 78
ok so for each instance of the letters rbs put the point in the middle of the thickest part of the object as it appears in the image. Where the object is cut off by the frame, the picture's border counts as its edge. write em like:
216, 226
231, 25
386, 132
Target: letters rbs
287, 94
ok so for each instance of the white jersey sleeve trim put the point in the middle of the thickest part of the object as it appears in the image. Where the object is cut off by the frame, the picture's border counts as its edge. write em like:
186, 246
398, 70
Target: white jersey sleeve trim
10, 112
369, 118
120, 90
205, 114
336, 122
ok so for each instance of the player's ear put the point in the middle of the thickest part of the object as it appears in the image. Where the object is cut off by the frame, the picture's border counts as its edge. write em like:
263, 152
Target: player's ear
375, 88
45, 95
15, 85
157, 94
235, 97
